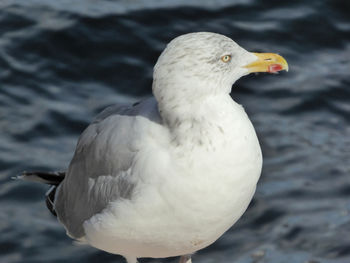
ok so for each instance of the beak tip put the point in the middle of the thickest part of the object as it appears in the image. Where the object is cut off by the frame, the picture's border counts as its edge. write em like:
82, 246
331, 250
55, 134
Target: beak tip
287, 68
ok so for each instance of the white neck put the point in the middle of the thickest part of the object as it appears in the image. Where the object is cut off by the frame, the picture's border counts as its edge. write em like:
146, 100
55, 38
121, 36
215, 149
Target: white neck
199, 121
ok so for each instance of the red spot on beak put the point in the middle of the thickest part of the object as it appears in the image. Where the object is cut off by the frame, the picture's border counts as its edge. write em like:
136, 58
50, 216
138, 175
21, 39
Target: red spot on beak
274, 68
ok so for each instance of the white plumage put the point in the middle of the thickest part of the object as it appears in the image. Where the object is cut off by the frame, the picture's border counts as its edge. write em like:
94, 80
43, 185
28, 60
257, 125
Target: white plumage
170, 175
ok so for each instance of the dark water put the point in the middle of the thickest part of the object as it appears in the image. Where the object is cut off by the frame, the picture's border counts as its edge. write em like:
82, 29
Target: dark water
62, 61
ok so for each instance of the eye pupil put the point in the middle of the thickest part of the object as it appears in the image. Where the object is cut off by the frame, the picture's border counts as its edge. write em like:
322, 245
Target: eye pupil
226, 58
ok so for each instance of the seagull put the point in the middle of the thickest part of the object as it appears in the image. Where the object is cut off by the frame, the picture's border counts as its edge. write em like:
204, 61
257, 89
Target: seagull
169, 175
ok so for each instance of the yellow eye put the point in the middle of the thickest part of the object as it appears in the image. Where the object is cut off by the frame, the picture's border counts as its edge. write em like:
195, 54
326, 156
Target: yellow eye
226, 58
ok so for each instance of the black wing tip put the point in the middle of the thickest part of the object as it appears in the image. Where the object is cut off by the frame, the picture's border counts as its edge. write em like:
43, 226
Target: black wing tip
50, 199
52, 178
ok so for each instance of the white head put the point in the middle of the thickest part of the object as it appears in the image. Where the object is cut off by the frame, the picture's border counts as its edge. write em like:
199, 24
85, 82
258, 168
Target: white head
201, 64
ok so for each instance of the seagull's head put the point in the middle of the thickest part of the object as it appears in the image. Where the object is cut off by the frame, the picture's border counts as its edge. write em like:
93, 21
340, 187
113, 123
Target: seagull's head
202, 63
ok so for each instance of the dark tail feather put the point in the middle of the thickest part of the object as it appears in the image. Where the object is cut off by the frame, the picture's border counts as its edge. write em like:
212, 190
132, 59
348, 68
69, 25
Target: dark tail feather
51, 178
50, 199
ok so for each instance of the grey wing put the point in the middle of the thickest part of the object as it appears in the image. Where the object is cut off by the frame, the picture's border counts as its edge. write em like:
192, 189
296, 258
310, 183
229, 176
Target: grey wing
100, 169
147, 108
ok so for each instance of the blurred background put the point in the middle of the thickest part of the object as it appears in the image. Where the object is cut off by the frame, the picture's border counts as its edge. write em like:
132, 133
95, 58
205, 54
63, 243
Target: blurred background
63, 61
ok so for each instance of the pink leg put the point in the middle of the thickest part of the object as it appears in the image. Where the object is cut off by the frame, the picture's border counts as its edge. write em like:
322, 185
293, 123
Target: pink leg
185, 259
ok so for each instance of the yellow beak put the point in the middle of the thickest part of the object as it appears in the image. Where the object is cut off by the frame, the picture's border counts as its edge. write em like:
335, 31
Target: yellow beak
267, 62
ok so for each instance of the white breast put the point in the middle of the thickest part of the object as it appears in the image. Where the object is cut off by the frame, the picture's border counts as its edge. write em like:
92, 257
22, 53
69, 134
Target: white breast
192, 194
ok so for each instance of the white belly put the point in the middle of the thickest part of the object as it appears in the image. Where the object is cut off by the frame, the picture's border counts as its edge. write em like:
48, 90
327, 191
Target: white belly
178, 216
185, 204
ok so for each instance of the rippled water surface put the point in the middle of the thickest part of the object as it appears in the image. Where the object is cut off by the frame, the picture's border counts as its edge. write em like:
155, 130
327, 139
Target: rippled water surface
62, 61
